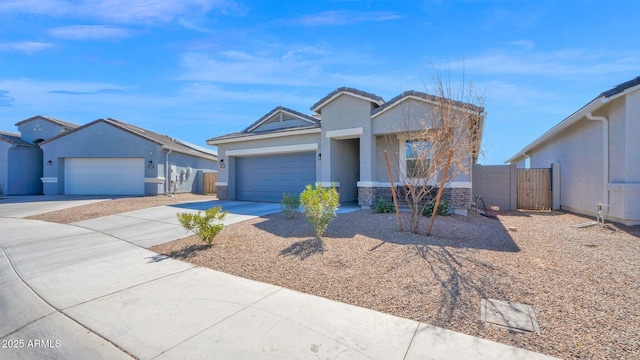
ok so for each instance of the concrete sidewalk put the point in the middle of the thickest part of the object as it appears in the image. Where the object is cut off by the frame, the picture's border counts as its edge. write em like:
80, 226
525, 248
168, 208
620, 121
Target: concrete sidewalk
69, 292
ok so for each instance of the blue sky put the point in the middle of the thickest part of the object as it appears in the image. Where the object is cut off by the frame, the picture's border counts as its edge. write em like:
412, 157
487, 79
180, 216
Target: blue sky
195, 69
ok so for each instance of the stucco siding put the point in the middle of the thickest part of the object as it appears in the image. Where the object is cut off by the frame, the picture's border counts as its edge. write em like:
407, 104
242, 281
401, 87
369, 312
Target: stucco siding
4, 166
579, 153
39, 129
346, 112
25, 171
410, 115
389, 143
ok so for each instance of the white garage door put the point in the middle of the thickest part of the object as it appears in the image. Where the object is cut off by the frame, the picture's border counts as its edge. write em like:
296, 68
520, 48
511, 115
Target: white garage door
104, 176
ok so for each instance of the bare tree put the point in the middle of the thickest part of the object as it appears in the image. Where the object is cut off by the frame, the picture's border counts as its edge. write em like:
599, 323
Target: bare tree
446, 121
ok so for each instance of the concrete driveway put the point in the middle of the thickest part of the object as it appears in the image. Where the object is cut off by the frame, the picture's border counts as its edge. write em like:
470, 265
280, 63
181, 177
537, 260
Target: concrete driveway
23, 206
71, 292
158, 225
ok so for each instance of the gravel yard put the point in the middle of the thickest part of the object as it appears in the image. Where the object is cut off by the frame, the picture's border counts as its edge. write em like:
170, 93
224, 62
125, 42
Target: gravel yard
584, 284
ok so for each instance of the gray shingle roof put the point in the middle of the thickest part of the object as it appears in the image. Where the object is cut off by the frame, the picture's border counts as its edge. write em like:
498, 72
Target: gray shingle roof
164, 140
281, 108
421, 95
622, 87
53, 120
14, 139
373, 97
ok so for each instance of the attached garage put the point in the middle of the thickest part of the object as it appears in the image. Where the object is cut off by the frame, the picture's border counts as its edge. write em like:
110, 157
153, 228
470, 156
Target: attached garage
104, 176
266, 178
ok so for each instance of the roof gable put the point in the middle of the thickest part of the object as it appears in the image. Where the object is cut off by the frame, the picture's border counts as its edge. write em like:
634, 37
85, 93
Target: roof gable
375, 99
165, 141
421, 97
59, 122
281, 118
14, 139
609, 95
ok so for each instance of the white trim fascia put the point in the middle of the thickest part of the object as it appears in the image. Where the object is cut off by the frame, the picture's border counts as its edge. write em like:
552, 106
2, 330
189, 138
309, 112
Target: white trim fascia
327, 183
154, 180
378, 102
49, 179
250, 137
345, 133
222, 183
277, 112
367, 184
273, 150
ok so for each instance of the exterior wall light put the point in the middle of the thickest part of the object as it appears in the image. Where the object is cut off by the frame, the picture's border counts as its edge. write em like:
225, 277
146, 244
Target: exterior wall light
49, 162
221, 163
150, 166
319, 156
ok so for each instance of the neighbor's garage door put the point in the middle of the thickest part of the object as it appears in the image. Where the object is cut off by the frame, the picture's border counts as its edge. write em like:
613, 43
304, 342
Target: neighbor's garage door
266, 178
104, 176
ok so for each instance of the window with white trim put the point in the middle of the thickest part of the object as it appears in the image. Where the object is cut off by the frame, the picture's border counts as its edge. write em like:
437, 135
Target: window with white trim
417, 157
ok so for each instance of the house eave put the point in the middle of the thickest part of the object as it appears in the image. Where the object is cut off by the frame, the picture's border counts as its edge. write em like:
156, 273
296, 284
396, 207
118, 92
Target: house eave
253, 136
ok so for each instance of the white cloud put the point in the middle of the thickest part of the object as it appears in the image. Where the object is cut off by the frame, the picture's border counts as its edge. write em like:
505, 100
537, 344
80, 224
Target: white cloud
122, 11
562, 64
345, 17
89, 32
236, 67
27, 47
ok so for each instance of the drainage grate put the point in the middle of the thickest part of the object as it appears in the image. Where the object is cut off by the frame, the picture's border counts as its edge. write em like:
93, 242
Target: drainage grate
513, 316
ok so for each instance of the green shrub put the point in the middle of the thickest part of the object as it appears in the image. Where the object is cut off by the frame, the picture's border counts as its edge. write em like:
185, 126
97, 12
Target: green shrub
320, 205
383, 207
443, 208
289, 204
206, 225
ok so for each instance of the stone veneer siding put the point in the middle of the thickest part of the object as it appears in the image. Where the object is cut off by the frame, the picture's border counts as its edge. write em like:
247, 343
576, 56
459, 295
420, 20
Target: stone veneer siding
459, 198
222, 192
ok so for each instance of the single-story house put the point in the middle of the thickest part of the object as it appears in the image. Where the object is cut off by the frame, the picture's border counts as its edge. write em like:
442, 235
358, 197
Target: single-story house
597, 151
21, 157
342, 143
110, 157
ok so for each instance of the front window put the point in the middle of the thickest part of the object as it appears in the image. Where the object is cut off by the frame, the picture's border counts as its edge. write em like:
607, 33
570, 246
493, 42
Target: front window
418, 157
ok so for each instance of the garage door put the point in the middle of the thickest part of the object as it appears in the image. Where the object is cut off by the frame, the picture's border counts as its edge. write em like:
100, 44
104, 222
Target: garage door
104, 176
266, 178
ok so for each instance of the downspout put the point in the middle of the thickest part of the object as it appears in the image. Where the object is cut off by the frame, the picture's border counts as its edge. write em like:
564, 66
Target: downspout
605, 152
166, 171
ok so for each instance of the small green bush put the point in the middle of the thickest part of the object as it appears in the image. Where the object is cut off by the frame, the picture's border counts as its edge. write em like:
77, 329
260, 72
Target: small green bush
443, 208
383, 207
289, 204
206, 225
320, 205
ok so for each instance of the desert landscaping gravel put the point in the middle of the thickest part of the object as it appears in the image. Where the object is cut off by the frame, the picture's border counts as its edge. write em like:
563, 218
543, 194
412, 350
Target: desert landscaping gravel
584, 284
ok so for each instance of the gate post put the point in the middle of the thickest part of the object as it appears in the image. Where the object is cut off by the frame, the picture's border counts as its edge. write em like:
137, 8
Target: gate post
514, 187
555, 186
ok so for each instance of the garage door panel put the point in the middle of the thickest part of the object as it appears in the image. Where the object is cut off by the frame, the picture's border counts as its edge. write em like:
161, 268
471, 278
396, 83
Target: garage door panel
266, 178
104, 176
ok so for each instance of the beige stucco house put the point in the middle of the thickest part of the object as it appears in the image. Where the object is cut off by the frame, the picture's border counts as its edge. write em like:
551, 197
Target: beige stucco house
341, 143
597, 151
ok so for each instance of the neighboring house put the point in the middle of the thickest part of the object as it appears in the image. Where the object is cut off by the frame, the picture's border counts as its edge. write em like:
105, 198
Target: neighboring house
110, 157
343, 143
20, 156
597, 150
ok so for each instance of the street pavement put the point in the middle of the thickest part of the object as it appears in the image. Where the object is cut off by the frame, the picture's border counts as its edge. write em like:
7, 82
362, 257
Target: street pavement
79, 292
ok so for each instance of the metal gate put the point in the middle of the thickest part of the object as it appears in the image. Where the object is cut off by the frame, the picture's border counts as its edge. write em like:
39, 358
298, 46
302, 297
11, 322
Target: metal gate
534, 189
